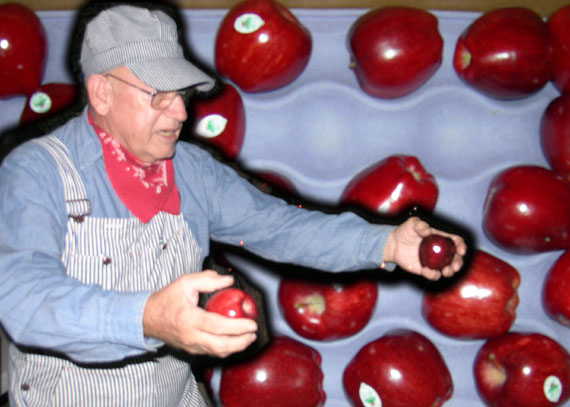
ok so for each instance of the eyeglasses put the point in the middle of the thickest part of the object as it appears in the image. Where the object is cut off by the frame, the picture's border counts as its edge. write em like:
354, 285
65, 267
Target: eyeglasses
160, 100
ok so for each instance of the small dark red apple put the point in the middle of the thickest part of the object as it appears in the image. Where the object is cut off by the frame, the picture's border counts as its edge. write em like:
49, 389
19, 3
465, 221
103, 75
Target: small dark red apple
261, 46
527, 210
400, 369
522, 370
391, 186
233, 303
220, 121
436, 251
505, 53
556, 289
22, 50
559, 29
555, 135
48, 100
481, 304
286, 373
327, 311
394, 50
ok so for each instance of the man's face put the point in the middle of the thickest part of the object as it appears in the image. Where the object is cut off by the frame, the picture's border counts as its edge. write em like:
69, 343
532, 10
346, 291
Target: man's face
147, 133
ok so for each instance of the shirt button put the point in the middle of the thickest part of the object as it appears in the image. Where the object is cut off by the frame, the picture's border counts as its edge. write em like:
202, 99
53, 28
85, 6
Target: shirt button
25, 387
106, 261
164, 245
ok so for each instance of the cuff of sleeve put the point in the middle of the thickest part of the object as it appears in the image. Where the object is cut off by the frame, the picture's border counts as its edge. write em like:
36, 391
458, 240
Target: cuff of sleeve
127, 327
377, 235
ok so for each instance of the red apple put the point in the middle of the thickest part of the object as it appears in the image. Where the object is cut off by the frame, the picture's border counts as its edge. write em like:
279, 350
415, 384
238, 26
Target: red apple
527, 210
233, 303
480, 304
505, 53
436, 251
556, 290
22, 50
220, 121
522, 370
286, 373
558, 25
261, 46
400, 369
394, 50
555, 135
326, 311
48, 100
391, 186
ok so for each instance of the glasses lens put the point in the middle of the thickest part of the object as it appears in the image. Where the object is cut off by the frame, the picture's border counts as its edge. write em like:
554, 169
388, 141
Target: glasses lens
162, 100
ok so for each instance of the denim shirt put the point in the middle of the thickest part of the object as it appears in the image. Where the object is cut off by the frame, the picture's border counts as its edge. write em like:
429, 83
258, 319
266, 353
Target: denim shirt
42, 307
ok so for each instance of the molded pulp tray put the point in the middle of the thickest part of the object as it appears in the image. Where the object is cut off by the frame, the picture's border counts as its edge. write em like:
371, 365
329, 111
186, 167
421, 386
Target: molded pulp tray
322, 129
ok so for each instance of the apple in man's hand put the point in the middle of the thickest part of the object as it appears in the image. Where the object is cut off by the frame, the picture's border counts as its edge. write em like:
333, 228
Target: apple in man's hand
327, 311
479, 305
436, 251
285, 373
394, 50
522, 370
401, 368
261, 46
505, 53
232, 303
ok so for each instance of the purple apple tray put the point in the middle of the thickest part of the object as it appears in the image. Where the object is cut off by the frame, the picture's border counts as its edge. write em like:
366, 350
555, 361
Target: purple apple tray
321, 130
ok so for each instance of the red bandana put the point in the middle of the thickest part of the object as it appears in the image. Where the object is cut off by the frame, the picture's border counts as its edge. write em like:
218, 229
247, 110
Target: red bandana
144, 189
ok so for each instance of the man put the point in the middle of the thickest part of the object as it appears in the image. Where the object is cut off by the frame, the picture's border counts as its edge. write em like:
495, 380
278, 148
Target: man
106, 223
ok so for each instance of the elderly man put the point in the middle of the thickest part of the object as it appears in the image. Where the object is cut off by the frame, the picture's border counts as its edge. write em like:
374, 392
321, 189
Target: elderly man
105, 224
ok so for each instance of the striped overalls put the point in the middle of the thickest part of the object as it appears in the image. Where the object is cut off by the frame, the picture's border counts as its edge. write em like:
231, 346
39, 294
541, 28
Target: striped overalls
120, 255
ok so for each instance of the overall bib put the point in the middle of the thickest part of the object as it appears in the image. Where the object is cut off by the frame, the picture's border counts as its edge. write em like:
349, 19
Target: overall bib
120, 255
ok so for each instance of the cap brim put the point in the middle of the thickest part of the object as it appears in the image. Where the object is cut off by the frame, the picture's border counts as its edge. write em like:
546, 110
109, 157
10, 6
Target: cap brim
171, 74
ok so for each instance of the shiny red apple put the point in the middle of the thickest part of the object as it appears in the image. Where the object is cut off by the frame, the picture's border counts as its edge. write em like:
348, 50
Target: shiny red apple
391, 186
394, 50
22, 50
326, 311
555, 135
480, 304
220, 121
261, 46
232, 303
436, 251
527, 210
522, 370
556, 290
286, 373
48, 100
403, 368
558, 25
505, 53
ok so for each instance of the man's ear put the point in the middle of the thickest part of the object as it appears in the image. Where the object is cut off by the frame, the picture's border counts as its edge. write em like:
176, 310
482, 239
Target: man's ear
100, 94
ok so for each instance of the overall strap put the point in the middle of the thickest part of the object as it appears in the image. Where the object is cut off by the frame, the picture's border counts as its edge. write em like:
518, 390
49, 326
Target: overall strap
77, 204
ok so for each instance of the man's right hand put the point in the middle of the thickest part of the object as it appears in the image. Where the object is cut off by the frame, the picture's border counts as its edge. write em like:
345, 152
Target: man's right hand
172, 315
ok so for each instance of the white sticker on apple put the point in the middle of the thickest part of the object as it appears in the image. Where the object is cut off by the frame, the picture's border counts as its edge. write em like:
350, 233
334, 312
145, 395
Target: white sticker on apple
368, 396
248, 23
40, 102
211, 126
552, 388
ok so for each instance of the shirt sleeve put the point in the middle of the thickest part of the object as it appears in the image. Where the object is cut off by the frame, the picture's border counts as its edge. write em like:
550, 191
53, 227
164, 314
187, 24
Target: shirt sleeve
240, 214
39, 305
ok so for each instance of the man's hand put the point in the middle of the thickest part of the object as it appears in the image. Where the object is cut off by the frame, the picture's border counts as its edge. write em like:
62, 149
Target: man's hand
402, 248
172, 315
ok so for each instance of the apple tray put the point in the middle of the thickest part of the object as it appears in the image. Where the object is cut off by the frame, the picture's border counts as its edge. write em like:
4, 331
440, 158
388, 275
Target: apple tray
321, 130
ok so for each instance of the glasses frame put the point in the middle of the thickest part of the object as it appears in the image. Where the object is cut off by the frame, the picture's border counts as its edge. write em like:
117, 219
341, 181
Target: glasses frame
185, 94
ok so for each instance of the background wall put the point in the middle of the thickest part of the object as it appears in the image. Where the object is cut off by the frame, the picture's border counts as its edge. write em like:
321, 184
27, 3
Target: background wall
543, 7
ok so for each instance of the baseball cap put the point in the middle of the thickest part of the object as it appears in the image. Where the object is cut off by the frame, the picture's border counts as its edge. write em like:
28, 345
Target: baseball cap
146, 42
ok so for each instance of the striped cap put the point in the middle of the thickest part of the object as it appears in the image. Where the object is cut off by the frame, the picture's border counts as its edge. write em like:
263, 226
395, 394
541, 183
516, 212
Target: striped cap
146, 42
